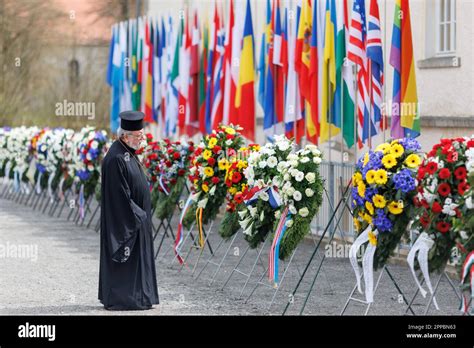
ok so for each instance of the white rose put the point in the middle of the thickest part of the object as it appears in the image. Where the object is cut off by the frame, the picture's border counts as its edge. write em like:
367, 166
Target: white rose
292, 209
286, 177
272, 162
283, 146
303, 212
292, 157
276, 181
290, 191
281, 166
293, 163
299, 176
304, 160
317, 160
289, 223
309, 193
297, 196
262, 164
310, 177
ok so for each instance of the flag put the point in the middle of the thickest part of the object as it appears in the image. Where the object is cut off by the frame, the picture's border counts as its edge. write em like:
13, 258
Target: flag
294, 121
357, 54
202, 81
405, 112
245, 96
143, 61
329, 82
149, 75
193, 114
164, 75
210, 70
348, 88
156, 72
173, 83
112, 79
312, 120
218, 77
184, 76
134, 67
124, 85
269, 117
229, 112
279, 77
375, 56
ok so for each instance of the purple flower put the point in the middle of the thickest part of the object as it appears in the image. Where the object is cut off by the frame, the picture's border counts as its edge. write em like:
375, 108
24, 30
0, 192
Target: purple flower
381, 221
355, 197
410, 144
404, 181
83, 174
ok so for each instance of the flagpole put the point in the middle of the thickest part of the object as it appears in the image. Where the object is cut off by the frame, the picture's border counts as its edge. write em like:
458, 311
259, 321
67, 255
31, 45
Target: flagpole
356, 111
370, 102
385, 116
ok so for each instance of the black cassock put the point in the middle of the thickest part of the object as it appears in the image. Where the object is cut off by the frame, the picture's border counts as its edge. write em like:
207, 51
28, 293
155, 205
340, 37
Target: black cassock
127, 275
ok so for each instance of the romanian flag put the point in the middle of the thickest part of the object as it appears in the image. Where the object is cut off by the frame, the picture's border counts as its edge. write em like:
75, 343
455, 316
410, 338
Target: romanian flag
405, 111
329, 76
245, 96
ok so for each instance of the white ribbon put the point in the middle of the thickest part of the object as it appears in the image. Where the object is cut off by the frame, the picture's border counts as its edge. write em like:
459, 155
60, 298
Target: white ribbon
38, 183
16, 181
60, 186
23, 187
8, 168
50, 182
422, 246
367, 263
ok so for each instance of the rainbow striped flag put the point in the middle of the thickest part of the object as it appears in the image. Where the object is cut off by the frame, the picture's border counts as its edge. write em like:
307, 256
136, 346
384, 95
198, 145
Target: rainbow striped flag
405, 110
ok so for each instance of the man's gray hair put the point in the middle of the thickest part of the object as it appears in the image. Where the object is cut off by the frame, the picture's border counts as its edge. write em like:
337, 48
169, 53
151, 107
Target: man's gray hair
122, 132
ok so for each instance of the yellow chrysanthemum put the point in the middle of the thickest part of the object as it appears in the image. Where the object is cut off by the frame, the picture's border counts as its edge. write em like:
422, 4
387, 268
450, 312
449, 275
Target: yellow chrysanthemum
370, 208
242, 164
372, 238
367, 218
379, 201
222, 164
381, 177
356, 178
395, 208
206, 154
396, 150
233, 190
357, 224
370, 176
212, 143
205, 188
208, 171
389, 161
366, 159
230, 130
413, 161
361, 189
384, 148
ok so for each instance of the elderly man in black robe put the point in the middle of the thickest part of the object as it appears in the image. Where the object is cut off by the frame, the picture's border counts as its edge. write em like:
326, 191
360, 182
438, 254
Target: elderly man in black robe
127, 276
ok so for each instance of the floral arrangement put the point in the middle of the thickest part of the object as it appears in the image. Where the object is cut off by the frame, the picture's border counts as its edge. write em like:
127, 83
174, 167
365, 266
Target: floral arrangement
152, 154
171, 178
442, 185
4, 154
301, 194
262, 174
237, 187
384, 185
90, 147
18, 147
208, 174
39, 152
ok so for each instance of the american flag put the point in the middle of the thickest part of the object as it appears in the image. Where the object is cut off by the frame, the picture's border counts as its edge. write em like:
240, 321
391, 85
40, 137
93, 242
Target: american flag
375, 56
357, 53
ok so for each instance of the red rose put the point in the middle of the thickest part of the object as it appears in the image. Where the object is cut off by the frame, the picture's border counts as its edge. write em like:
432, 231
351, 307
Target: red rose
169, 163
198, 151
444, 189
443, 226
460, 173
215, 180
424, 220
230, 136
431, 167
149, 136
470, 143
178, 142
211, 161
191, 149
147, 164
425, 204
239, 198
170, 151
172, 181
463, 187
181, 172
216, 149
421, 173
452, 157
436, 207
230, 206
444, 173
236, 177
176, 155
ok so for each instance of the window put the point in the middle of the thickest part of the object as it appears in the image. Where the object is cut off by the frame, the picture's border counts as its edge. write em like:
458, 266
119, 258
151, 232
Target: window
445, 27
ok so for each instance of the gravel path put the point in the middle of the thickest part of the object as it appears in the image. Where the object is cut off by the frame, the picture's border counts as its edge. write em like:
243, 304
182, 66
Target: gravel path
59, 274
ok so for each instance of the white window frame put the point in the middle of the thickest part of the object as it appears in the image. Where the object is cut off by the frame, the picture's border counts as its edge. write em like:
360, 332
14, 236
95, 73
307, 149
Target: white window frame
451, 22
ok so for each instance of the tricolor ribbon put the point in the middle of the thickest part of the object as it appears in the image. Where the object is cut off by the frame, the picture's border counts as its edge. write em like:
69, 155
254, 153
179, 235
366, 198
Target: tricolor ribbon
273, 257
162, 185
179, 233
274, 197
468, 268
422, 246
81, 201
367, 263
